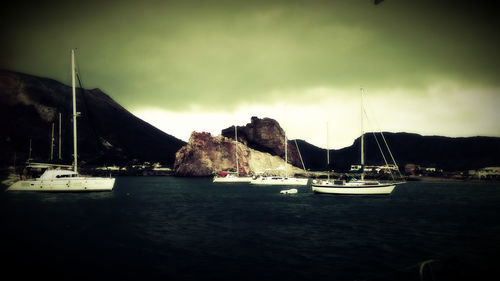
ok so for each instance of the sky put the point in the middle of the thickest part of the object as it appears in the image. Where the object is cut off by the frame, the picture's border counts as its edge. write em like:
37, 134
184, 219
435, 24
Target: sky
426, 67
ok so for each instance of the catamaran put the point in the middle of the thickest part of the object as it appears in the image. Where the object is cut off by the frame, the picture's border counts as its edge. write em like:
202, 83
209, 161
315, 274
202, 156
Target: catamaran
278, 180
233, 176
354, 186
61, 178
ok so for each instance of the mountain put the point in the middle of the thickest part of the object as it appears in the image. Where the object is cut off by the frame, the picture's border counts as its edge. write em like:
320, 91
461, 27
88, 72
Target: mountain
449, 154
107, 132
205, 155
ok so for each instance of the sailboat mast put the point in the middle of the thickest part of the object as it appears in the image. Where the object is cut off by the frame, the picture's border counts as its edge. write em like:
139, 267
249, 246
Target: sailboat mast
29, 154
286, 157
362, 141
60, 136
236, 149
75, 155
327, 151
52, 143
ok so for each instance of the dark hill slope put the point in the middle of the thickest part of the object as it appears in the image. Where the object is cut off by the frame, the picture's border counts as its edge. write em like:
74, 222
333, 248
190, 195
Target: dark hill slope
107, 133
452, 154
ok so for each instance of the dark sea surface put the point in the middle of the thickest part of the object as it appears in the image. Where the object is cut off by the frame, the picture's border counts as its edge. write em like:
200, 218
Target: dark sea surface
168, 228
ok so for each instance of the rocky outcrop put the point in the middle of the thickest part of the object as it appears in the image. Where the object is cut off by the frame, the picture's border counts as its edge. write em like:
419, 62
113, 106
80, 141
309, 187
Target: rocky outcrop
205, 155
265, 135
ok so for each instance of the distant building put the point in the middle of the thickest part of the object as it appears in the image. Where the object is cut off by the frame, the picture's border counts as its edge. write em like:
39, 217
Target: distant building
386, 169
411, 169
485, 173
414, 169
109, 168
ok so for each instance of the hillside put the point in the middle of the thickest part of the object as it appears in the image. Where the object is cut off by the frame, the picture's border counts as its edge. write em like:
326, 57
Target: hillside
449, 154
107, 133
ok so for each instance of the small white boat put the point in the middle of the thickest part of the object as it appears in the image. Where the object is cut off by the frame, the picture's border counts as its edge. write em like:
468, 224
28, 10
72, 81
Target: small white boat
289, 191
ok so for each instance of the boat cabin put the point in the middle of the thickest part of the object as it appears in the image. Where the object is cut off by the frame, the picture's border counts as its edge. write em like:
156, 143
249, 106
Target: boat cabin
57, 174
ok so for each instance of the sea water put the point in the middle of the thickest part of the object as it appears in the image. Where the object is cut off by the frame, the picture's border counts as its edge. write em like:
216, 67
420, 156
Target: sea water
168, 228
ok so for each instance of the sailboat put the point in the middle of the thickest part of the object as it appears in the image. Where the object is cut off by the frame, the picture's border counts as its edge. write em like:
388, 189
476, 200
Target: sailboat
278, 180
354, 186
233, 176
61, 178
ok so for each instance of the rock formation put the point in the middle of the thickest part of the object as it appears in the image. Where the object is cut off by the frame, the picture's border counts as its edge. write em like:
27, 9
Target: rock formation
205, 155
265, 135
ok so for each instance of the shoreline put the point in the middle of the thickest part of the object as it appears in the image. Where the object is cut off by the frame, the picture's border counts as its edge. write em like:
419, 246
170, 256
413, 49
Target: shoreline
8, 177
447, 179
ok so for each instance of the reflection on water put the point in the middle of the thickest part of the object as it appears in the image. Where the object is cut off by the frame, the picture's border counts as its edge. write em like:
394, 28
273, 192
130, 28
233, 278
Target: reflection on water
192, 229
54, 197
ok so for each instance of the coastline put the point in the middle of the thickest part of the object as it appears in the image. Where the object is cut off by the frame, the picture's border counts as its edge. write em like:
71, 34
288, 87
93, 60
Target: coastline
8, 177
447, 179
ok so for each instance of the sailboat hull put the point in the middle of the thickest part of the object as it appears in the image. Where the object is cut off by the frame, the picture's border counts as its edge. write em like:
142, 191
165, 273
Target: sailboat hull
78, 184
232, 179
346, 189
280, 181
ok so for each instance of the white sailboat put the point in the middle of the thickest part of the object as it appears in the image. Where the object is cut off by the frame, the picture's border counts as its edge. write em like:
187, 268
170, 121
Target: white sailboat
59, 178
232, 177
278, 180
362, 186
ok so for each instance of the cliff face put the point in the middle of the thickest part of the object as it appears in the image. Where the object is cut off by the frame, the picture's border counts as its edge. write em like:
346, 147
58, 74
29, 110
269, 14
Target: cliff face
265, 135
205, 155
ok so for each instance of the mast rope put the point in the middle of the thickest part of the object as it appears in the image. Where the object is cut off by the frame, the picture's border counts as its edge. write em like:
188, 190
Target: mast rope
385, 142
379, 147
383, 155
390, 153
90, 118
300, 155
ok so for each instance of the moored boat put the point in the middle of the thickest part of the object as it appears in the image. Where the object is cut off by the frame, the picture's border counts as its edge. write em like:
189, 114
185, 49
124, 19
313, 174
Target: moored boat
279, 180
355, 186
61, 178
352, 187
229, 177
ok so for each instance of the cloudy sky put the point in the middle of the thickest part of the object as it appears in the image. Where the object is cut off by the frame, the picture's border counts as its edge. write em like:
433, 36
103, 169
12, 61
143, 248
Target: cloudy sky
428, 67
